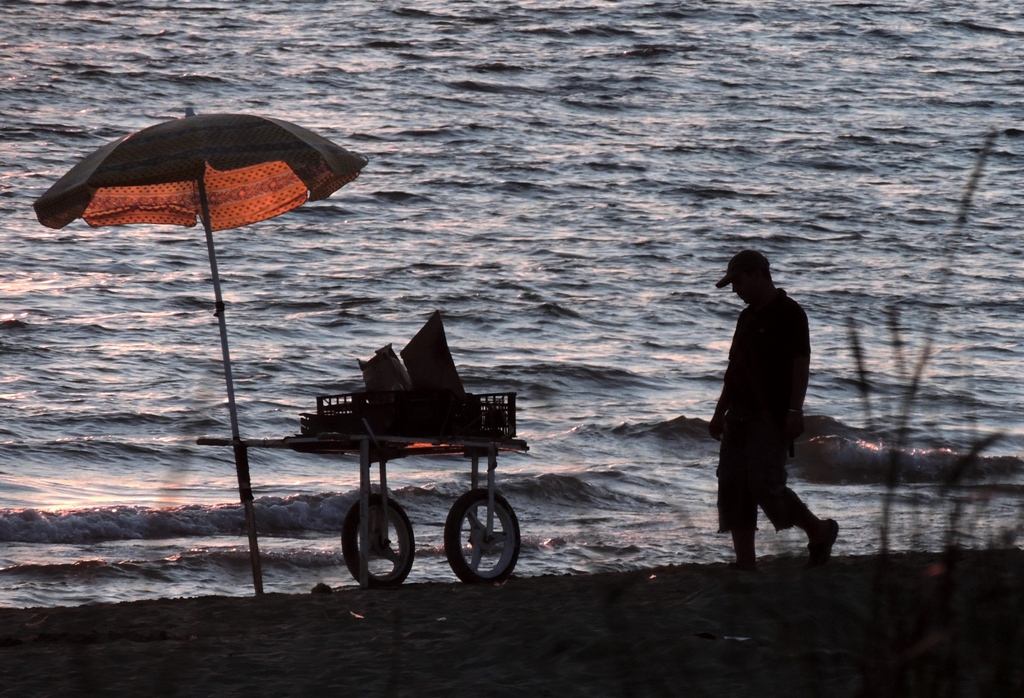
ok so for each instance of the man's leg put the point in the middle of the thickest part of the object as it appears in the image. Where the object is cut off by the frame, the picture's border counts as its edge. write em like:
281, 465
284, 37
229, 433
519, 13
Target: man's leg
737, 510
815, 528
743, 544
780, 504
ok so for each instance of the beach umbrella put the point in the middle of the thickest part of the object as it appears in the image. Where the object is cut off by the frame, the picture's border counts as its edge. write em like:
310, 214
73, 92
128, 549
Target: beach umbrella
227, 170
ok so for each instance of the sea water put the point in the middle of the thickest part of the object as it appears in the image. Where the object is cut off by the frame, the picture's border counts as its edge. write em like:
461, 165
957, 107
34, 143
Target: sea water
565, 181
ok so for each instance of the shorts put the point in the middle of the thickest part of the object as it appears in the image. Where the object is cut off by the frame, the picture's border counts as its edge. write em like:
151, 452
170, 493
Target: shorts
751, 474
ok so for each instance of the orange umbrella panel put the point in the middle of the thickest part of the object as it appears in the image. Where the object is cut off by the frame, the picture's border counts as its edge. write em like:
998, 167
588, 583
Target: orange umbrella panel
235, 198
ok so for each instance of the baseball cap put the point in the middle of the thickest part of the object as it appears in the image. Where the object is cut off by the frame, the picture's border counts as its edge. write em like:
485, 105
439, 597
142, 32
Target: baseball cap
747, 260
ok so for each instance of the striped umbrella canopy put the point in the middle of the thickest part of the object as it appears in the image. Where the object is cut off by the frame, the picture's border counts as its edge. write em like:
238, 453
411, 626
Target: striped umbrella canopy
227, 170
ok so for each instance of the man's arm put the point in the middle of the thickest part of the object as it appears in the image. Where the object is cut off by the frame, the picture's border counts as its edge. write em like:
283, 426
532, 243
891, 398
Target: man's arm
717, 424
797, 393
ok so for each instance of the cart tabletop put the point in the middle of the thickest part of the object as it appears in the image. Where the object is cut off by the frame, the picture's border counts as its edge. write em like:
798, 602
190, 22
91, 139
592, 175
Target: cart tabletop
395, 446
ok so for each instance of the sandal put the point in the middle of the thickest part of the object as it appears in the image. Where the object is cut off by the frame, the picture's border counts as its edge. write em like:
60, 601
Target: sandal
742, 568
821, 552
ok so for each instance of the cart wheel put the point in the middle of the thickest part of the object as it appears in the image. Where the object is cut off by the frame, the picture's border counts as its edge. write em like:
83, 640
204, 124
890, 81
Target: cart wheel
389, 559
473, 555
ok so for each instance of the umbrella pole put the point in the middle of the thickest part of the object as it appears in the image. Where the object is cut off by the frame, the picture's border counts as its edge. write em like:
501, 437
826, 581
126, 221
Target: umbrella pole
241, 451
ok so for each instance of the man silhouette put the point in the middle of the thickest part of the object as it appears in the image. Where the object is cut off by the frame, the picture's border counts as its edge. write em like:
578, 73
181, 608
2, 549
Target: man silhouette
760, 412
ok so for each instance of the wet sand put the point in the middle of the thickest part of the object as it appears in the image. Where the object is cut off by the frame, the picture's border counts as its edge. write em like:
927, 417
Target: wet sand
858, 626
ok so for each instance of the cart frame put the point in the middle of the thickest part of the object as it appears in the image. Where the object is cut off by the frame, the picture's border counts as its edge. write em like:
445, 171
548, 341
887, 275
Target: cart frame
382, 449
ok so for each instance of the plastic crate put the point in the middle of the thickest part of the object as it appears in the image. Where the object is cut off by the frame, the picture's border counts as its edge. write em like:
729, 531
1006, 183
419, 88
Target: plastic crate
433, 414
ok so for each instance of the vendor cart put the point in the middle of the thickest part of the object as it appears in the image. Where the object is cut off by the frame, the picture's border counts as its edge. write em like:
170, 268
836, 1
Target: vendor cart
481, 532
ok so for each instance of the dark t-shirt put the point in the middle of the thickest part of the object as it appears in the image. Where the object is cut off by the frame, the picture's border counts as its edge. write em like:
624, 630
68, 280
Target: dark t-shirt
764, 347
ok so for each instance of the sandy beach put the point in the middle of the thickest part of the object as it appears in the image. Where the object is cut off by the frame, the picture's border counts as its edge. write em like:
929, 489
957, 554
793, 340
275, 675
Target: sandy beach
903, 625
